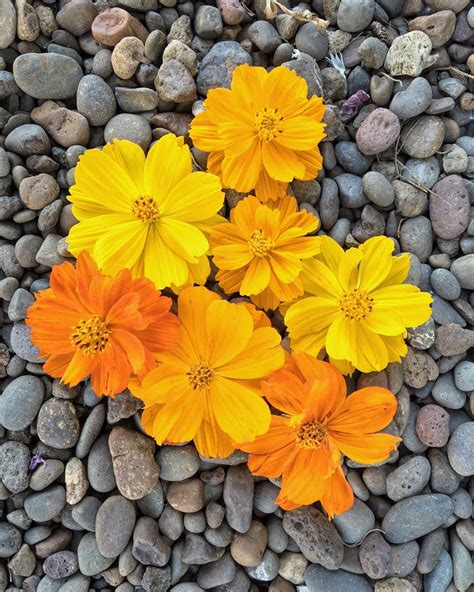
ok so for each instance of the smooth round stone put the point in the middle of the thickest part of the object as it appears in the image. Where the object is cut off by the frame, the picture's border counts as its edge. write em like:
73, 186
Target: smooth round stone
424, 172
312, 41
14, 461
47, 75
409, 478
153, 502
20, 340
318, 578
416, 516
416, 236
440, 577
20, 402
8, 21
267, 569
445, 284
114, 525
463, 270
464, 375
450, 207
377, 188
91, 562
375, 556
177, 463
460, 448
413, 101
58, 425
131, 127
218, 65
423, 137
208, 22
28, 139
10, 540
432, 426
95, 100
351, 192
47, 504
355, 15
351, 158
378, 132
60, 565
264, 35
85, 512
354, 524
446, 393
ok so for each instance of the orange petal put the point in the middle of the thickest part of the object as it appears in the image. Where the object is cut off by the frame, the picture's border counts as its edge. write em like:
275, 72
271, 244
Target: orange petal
365, 448
338, 497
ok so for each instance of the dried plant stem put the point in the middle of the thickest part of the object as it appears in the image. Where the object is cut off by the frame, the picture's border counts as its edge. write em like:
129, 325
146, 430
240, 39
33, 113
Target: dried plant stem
272, 8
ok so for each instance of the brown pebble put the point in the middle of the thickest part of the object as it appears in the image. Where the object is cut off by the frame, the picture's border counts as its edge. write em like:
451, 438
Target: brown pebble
432, 426
233, 12
66, 127
186, 496
111, 26
247, 549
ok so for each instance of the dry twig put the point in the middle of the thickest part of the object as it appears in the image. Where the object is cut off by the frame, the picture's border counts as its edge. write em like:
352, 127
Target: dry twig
272, 8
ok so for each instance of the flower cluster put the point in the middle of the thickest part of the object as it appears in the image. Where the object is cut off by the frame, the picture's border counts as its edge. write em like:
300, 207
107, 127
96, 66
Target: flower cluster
214, 370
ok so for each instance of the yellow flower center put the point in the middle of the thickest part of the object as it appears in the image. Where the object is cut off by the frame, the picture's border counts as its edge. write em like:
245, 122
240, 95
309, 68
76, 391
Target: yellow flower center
356, 305
259, 244
200, 376
90, 335
146, 209
311, 434
267, 124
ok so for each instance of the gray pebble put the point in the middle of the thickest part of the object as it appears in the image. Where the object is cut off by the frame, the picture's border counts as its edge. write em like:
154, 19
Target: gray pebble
58, 425
355, 523
408, 479
46, 473
416, 236
95, 100
238, 498
463, 376
439, 578
28, 139
10, 540
413, 101
47, 75
115, 521
446, 393
46, 504
319, 578
128, 127
208, 22
460, 447
60, 565
463, 270
445, 284
312, 41
90, 431
177, 463
351, 192
422, 171
14, 460
355, 15
85, 512
99, 466
218, 65
20, 402
91, 562
377, 188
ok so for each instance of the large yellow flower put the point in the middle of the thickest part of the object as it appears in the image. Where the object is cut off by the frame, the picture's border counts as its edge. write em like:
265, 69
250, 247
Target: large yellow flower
148, 215
262, 132
360, 309
259, 252
208, 388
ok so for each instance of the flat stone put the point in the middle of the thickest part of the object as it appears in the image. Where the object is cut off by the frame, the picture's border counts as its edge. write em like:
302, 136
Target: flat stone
459, 447
423, 137
99, 466
378, 132
238, 498
355, 523
66, 127
449, 207
186, 496
85, 512
91, 562
149, 548
319, 578
247, 549
20, 340
47, 504
14, 460
20, 402
409, 54
10, 540
61, 565
47, 75
7, 23
375, 556
58, 425
218, 65
114, 525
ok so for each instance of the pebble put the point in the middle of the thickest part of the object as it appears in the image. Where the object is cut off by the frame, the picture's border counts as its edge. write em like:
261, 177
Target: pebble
351, 158
355, 523
375, 556
423, 137
432, 426
409, 478
463, 269
354, 16
58, 425
319, 578
14, 460
438, 26
60, 565
28, 139
416, 516
75, 478
218, 65
66, 127
10, 541
148, 546
38, 191
459, 447
20, 402
115, 521
439, 578
77, 16
47, 75
312, 41
47, 504
112, 25
99, 466
46, 473
238, 498
446, 393
416, 236
128, 126
317, 538
90, 431
8, 20
409, 54
449, 207
208, 22
91, 562
409, 201
413, 101
378, 189
186, 496
247, 549
135, 469
463, 376
85, 512
445, 284
177, 463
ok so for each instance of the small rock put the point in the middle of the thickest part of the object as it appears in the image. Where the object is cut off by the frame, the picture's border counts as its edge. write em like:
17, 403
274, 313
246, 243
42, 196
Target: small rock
186, 496
38, 191
127, 126
319, 578
91, 562
233, 13
423, 137
438, 26
14, 461
463, 377
375, 556
312, 41
355, 523
148, 546
8, 20
446, 393
47, 75
463, 269
112, 25
60, 565
248, 548
58, 425
355, 15
85, 512
459, 447
208, 22
416, 236
177, 463
409, 478
66, 127
218, 65
432, 426
95, 100
409, 54
28, 139
20, 402
75, 478
115, 522
126, 57
449, 207
238, 498
377, 188
10, 541
409, 201
47, 504
175, 83
99, 466
77, 16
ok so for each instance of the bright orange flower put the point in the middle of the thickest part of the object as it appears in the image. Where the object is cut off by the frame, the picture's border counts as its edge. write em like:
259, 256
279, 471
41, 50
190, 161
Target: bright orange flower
318, 424
208, 388
260, 252
261, 133
108, 328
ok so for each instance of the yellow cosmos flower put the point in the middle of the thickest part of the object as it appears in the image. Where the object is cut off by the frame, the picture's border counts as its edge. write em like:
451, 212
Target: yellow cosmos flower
262, 132
360, 309
208, 388
148, 215
259, 252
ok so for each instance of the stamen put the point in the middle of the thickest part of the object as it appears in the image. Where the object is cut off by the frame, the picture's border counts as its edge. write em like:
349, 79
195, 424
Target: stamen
200, 376
259, 244
356, 305
311, 434
146, 209
267, 124
90, 335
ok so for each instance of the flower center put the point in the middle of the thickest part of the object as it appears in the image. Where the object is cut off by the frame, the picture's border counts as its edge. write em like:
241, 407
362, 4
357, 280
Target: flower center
200, 376
356, 305
90, 335
146, 209
311, 434
267, 124
259, 244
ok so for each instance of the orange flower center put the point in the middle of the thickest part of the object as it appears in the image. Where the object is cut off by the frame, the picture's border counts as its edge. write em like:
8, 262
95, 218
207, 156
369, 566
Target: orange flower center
356, 305
90, 335
267, 124
311, 434
200, 376
259, 244
146, 209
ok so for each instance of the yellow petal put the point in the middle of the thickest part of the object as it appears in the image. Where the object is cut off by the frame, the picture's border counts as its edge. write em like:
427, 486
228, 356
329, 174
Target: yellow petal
131, 158
280, 162
185, 240
83, 236
376, 262
120, 246
162, 265
257, 277
197, 196
407, 301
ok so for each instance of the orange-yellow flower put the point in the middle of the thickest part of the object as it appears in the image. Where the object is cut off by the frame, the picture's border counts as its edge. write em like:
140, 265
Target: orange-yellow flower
357, 307
261, 133
317, 426
259, 252
208, 388
108, 328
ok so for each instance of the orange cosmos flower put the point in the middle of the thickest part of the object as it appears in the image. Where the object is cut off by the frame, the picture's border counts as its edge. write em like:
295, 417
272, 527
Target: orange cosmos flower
259, 252
108, 328
318, 424
261, 133
208, 388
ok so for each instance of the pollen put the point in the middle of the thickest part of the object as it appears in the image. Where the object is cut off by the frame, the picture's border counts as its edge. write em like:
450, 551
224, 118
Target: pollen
311, 434
356, 305
200, 376
90, 335
259, 244
146, 209
267, 124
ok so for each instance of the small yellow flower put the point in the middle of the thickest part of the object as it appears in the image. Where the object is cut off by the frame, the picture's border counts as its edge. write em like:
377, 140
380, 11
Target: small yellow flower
149, 215
360, 309
259, 252
261, 133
